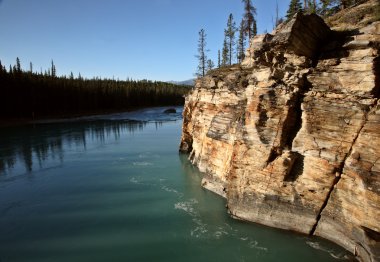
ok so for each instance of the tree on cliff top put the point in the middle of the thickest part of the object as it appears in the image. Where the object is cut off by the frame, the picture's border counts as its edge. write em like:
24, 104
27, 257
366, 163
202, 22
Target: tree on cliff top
250, 27
294, 7
210, 65
225, 52
230, 37
240, 43
311, 7
202, 58
219, 58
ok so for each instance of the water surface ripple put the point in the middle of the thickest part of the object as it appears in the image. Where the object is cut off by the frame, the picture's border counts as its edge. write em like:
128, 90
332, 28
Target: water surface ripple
115, 189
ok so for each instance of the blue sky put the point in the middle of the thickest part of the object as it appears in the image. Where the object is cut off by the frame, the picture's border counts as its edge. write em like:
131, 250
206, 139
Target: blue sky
139, 39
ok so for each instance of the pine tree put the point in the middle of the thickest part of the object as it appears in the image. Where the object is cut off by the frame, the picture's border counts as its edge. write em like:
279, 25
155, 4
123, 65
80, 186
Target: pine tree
294, 7
250, 28
329, 7
18, 65
240, 43
219, 58
311, 7
225, 54
278, 19
210, 65
254, 27
202, 58
53, 70
230, 36
2, 68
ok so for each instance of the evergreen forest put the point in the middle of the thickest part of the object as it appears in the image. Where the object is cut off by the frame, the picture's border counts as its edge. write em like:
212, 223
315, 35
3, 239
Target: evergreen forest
31, 95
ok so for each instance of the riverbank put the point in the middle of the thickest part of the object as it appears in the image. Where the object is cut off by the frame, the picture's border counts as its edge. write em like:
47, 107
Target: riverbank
7, 122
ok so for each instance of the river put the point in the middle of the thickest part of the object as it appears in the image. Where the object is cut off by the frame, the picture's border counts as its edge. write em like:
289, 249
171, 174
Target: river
115, 188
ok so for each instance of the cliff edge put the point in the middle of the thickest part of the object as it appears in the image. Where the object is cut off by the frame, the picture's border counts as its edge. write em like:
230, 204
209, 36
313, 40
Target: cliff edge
291, 137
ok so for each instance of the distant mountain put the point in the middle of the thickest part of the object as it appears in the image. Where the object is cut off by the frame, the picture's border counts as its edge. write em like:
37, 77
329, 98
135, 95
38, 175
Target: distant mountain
189, 82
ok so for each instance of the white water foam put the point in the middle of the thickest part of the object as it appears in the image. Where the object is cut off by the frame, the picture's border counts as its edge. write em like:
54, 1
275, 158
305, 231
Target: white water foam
148, 155
134, 180
187, 206
220, 233
317, 246
254, 244
200, 230
142, 164
172, 190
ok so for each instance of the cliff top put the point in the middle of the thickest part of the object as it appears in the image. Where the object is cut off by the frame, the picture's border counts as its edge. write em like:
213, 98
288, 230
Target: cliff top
355, 17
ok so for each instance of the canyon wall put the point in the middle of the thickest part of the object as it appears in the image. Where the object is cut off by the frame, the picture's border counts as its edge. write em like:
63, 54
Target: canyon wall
291, 137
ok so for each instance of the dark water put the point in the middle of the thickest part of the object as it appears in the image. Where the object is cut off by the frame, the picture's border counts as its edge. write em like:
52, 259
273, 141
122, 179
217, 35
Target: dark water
108, 189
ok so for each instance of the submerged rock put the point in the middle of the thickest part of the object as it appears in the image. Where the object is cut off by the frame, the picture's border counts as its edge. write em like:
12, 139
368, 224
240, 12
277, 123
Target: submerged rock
291, 137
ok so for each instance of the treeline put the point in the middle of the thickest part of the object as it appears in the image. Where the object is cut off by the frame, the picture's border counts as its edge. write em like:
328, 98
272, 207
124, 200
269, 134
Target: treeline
321, 7
31, 150
27, 94
231, 48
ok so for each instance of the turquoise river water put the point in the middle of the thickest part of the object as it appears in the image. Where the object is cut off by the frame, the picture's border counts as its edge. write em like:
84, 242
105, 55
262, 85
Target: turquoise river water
115, 188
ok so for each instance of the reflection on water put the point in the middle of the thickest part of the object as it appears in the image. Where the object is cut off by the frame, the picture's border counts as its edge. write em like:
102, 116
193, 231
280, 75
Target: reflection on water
117, 190
31, 146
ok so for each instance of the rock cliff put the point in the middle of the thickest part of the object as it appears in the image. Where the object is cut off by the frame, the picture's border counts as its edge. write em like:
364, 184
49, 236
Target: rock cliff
291, 137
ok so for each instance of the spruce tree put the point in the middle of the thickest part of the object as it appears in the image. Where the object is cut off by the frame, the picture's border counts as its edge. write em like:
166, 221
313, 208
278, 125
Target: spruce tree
230, 36
18, 65
202, 58
219, 58
2, 68
329, 7
279, 19
53, 70
294, 7
311, 6
225, 54
240, 43
254, 27
210, 65
250, 28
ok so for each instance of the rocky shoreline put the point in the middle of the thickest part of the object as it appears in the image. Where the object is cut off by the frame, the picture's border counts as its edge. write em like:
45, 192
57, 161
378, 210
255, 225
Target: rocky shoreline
291, 137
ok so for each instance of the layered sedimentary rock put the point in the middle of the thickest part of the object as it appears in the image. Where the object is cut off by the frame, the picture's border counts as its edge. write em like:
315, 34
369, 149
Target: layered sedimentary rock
291, 137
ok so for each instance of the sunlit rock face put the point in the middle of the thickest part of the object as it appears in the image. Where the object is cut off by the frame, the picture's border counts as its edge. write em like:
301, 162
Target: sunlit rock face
291, 137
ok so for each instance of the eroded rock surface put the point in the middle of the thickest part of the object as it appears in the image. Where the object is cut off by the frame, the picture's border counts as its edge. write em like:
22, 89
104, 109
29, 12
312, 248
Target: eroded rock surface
291, 137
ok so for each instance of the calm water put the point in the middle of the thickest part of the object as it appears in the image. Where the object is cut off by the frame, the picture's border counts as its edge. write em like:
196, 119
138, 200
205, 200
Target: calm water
111, 189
